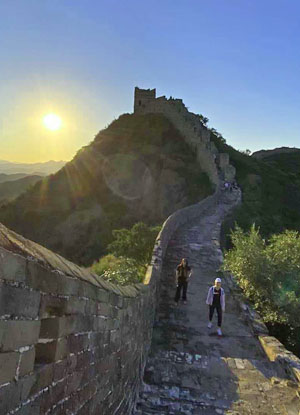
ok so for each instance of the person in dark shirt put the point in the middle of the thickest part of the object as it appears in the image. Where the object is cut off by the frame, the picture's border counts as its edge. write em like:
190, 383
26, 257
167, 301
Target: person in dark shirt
183, 274
216, 300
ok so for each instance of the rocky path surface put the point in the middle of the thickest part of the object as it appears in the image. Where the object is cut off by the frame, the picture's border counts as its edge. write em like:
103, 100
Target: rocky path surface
192, 371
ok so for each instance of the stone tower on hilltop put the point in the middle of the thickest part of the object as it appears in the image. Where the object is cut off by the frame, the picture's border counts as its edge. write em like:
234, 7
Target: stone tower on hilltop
142, 97
190, 125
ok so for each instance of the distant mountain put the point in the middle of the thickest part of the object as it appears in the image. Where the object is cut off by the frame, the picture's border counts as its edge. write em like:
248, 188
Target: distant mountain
42, 169
263, 154
271, 188
138, 169
10, 177
11, 189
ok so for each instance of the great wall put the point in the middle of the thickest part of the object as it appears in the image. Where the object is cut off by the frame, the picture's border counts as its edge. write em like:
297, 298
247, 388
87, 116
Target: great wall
72, 343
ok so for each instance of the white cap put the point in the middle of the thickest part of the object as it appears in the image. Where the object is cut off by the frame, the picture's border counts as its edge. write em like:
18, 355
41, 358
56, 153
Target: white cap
218, 280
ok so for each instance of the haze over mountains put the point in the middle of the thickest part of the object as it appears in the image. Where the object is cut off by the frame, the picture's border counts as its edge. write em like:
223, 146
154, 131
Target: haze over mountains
16, 178
138, 169
41, 169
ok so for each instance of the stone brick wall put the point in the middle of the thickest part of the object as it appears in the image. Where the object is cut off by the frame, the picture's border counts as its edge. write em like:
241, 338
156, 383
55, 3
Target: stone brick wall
71, 343
190, 126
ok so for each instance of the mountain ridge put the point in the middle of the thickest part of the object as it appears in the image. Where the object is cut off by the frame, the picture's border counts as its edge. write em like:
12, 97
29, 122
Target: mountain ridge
48, 167
138, 169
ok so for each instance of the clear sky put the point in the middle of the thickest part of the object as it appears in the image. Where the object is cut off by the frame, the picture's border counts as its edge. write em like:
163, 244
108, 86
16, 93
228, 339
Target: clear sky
235, 61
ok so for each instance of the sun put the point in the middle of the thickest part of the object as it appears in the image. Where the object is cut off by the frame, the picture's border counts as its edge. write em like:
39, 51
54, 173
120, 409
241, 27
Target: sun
52, 122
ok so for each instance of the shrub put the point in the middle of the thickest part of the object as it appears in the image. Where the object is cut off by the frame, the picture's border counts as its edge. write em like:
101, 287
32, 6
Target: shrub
119, 270
136, 243
269, 274
131, 252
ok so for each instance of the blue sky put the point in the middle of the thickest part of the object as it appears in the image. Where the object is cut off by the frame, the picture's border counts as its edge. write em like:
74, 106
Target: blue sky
235, 61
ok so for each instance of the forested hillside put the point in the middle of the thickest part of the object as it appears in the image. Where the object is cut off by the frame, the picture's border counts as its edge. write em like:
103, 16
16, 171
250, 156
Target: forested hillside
271, 190
138, 169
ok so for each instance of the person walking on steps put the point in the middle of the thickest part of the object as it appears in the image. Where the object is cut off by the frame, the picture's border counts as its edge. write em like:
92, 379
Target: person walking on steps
183, 274
216, 300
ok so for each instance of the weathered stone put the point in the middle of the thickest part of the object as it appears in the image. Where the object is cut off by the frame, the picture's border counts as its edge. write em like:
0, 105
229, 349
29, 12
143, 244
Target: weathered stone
51, 351
12, 266
27, 362
18, 333
8, 366
18, 302
44, 377
53, 328
52, 305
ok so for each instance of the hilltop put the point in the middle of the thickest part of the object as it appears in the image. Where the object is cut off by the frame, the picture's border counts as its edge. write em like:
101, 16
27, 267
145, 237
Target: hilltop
138, 169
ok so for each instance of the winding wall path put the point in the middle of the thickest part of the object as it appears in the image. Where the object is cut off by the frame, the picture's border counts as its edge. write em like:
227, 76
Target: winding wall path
192, 371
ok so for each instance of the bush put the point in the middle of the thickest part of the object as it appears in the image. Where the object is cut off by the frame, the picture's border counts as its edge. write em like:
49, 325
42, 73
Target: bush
136, 243
120, 270
131, 252
269, 274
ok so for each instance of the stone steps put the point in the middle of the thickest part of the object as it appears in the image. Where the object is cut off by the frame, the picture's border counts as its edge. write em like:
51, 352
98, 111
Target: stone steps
190, 370
181, 383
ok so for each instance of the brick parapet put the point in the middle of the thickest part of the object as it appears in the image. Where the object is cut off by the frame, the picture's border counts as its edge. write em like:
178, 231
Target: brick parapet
71, 342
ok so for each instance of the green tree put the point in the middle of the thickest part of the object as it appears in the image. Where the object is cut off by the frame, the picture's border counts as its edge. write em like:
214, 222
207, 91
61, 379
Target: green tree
120, 270
269, 274
203, 119
131, 252
136, 243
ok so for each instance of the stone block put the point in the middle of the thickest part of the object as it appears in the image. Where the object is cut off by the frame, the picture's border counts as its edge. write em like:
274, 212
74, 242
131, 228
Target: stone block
89, 291
51, 351
271, 346
91, 307
12, 394
99, 323
71, 363
58, 391
73, 382
16, 302
104, 309
31, 408
102, 295
26, 383
27, 362
70, 286
18, 333
53, 328
50, 281
60, 369
78, 343
8, 366
84, 359
52, 306
44, 377
42, 279
12, 266
9, 397
75, 305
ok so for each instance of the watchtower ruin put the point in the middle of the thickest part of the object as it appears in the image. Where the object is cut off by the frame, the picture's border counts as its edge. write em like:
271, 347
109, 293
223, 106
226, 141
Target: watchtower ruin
190, 125
142, 97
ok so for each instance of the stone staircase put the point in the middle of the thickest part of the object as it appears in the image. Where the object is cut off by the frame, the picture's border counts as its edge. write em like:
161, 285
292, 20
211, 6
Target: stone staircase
190, 370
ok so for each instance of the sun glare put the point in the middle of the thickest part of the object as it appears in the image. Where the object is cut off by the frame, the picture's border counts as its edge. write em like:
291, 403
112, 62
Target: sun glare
52, 122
